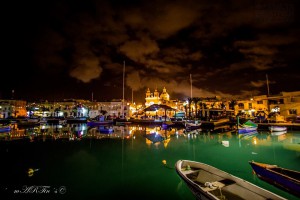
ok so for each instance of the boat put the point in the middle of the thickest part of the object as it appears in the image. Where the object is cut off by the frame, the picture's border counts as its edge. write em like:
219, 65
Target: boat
285, 179
277, 128
106, 129
94, 123
72, 119
190, 126
247, 127
5, 128
29, 122
55, 120
208, 182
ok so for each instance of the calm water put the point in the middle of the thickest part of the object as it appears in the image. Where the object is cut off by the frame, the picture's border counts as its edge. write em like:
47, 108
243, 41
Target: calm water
81, 163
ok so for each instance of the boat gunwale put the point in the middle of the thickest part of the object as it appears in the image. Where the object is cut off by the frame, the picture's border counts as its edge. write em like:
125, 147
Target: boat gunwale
238, 181
271, 167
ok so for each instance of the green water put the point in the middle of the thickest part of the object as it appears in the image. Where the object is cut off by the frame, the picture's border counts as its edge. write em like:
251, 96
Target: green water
127, 165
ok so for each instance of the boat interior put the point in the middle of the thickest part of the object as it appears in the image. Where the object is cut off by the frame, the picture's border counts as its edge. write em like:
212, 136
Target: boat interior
220, 187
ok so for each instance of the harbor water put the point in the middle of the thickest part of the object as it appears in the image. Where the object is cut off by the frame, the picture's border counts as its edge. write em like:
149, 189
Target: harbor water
132, 162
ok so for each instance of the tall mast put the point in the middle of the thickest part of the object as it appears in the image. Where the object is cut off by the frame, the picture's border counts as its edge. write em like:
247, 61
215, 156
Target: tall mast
123, 88
268, 84
191, 86
131, 96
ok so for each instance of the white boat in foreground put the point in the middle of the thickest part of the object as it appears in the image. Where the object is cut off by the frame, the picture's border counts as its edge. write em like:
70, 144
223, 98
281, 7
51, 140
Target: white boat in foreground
208, 182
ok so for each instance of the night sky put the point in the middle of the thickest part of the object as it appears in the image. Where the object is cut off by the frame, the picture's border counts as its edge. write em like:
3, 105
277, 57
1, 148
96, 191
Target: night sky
55, 50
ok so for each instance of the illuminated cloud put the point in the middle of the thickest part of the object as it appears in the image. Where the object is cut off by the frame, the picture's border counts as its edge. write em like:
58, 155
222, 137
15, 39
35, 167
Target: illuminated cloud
86, 70
137, 50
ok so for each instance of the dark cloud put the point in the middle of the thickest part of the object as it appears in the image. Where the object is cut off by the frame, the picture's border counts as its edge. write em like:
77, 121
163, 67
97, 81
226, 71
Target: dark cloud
228, 47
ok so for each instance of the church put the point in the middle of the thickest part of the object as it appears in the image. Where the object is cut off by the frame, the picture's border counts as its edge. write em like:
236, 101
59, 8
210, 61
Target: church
155, 98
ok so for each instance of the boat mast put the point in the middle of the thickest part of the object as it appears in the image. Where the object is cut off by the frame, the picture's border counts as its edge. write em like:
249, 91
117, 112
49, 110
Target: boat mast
191, 86
268, 85
123, 89
131, 96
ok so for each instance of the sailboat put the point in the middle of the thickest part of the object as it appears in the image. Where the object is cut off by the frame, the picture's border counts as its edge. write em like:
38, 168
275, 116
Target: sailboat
123, 120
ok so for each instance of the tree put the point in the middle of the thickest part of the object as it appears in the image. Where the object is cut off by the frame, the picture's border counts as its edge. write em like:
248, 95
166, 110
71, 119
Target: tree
103, 112
232, 103
190, 103
196, 101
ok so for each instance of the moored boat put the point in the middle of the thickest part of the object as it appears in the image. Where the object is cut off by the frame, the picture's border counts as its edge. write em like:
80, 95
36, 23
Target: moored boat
190, 126
277, 128
286, 179
106, 129
208, 182
5, 128
247, 127
93, 123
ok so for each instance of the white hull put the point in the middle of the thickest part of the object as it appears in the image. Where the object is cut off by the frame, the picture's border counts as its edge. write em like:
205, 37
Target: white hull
277, 128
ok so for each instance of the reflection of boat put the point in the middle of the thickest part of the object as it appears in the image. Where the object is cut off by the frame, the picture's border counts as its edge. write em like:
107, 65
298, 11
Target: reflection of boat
278, 133
221, 129
248, 135
283, 178
154, 137
277, 128
208, 182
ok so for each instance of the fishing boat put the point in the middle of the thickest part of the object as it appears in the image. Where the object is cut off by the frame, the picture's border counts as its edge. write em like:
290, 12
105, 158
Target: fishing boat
247, 127
208, 182
286, 179
277, 128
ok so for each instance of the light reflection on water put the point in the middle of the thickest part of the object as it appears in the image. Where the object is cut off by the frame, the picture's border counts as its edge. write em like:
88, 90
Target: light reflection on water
91, 163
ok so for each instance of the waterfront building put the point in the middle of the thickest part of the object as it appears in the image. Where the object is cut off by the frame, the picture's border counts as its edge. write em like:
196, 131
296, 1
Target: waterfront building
65, 108
284, 106
12, 108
